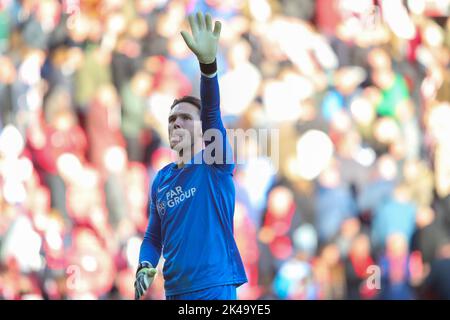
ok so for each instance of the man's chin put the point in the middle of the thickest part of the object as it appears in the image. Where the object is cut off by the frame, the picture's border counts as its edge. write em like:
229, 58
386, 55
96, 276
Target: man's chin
182, 150
178, 146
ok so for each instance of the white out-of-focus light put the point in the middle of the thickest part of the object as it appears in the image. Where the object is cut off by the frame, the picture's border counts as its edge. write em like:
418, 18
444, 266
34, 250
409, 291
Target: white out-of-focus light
40, 221
235, 97
386, 130
69, 165
30, 69
301, 86
387, 167
115, 159
116, 23
324, 53
257, 179
84, 296
362, 111
79, 25
260, 10
24, 244
32, 296
135, 195
356, 6
26, 169
341, 121
160, 106
132, 251
365, 156
398, 19
295, 270
416, 6
14, 191
425, 56
34, 99
88, 179
280, 199
434, 35
11, 141
89, 263
54, 240
280, 102
314, 151
438, 122
17, 170
428, 88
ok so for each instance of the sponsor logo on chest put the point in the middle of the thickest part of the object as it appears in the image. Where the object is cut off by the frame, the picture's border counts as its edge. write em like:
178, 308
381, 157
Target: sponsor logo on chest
173, 197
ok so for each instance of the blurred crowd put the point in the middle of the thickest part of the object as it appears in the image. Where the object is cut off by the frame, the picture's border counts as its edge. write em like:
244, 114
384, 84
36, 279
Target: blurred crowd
353, 202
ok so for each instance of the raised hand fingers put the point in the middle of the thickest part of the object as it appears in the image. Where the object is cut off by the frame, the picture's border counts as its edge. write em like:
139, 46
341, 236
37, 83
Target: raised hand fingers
200, 21
203, 42
208, 22
217, 28
189, 40
193, 24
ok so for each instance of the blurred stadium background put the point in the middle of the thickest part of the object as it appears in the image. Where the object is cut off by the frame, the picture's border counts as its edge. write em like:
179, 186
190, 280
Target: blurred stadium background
358, 89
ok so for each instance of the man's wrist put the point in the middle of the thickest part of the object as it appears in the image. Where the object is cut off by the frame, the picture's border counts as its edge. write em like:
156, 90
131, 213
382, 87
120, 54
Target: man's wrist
142, 265
208, 68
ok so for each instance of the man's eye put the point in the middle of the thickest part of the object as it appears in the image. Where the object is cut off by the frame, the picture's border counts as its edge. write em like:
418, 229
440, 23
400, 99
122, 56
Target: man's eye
186, 117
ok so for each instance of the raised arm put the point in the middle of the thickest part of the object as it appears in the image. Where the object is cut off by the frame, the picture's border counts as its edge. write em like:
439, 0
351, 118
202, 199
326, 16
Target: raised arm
203, 43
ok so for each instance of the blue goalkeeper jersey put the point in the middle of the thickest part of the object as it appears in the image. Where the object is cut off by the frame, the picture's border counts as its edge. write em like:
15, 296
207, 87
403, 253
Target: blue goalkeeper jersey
191, 215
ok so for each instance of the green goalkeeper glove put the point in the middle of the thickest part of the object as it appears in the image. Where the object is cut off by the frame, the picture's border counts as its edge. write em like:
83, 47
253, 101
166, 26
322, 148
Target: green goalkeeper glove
203, 42
144, 278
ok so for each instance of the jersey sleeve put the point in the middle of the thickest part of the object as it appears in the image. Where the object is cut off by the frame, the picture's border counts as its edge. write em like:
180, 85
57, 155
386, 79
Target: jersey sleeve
212, 124
151, 246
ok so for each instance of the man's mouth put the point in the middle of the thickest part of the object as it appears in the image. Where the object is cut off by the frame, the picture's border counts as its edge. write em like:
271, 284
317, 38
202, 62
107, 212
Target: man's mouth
176, 137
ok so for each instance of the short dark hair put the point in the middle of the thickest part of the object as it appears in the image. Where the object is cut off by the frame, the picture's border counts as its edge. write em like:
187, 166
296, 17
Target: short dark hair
189, 99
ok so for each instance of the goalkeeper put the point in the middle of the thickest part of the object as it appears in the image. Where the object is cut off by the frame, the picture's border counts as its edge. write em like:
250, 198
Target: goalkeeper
192, 202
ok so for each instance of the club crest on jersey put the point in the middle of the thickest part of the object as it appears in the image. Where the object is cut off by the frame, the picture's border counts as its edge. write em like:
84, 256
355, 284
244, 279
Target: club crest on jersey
161, 206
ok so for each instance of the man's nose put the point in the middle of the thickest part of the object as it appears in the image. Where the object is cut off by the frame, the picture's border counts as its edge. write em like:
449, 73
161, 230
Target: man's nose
178, 123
